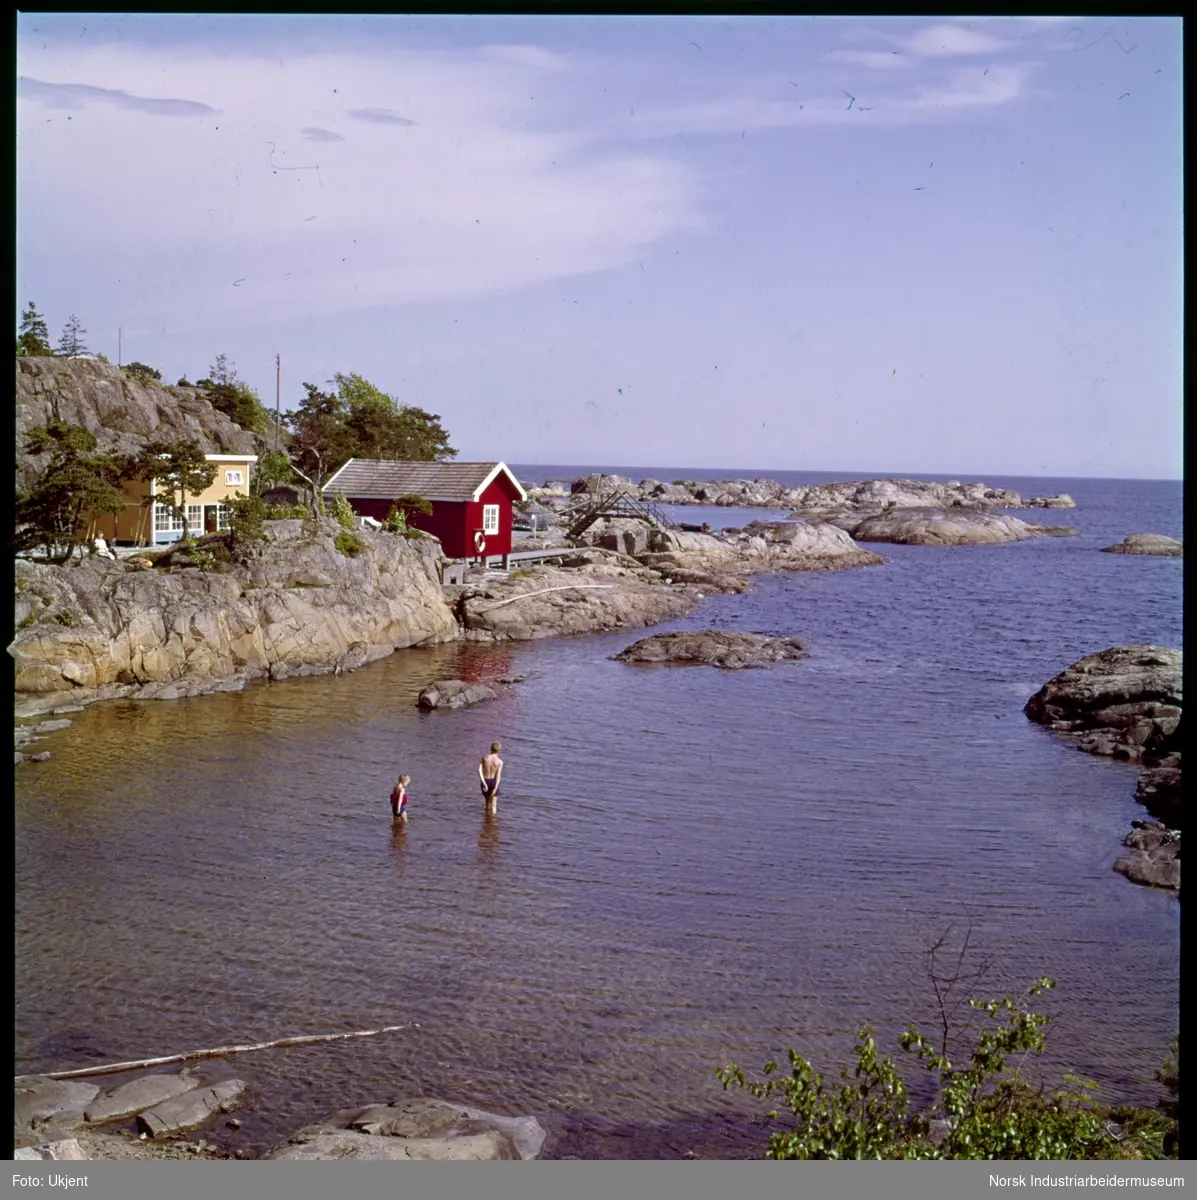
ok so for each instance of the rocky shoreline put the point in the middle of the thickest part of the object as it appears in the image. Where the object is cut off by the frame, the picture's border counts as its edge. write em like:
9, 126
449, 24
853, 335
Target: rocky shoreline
176, 1115
1126, 703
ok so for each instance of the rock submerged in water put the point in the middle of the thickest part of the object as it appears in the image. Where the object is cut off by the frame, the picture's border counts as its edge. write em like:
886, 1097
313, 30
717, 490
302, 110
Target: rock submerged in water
947, 527
454, 693
416, 1129
1147, 543
731, 651
1127, 703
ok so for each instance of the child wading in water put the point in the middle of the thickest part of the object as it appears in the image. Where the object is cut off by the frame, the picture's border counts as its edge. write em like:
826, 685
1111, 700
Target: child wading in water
399, 799
489, 771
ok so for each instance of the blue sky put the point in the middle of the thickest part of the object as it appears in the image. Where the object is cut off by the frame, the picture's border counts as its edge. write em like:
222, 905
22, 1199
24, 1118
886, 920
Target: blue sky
878, 245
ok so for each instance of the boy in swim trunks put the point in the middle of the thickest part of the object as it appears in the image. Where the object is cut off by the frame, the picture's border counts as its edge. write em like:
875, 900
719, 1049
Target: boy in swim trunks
399, 799
489, 771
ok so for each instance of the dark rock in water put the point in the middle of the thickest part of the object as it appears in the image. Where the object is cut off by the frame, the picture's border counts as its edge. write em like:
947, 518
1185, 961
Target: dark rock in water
732, 651
1147, 543
420, 1128
1159, 793
1132, 692
191, 1109
1154, 858
1126, 702
454, 693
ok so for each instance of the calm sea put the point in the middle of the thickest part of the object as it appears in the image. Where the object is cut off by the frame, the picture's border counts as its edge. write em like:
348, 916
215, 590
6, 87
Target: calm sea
688, 866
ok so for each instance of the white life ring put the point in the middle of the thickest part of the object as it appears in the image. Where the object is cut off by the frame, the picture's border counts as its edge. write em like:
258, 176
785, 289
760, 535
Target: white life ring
479, 542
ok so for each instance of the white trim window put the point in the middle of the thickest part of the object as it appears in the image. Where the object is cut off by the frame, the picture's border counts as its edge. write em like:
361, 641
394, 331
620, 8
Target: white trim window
222, 516
166, 520
234, 478
195, 518
490, 518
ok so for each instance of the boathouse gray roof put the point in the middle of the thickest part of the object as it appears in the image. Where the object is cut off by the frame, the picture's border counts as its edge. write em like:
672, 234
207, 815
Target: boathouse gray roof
382, 479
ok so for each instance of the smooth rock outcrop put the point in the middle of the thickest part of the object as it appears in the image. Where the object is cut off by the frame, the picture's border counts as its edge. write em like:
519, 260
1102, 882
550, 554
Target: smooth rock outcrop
63, 1150
192, 1108
454, 693
295, 605
38, 1101
714, 648
948, 527
415, 1129
1147, 543
138, 1094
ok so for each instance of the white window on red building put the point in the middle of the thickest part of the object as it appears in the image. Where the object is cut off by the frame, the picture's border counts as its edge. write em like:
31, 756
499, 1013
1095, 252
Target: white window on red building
490, 518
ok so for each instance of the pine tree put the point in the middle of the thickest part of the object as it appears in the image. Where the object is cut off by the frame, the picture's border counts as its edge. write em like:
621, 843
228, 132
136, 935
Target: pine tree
34, 336
71, 342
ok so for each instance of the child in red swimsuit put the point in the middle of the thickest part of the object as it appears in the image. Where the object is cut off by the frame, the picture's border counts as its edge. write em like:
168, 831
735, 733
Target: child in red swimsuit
399, 798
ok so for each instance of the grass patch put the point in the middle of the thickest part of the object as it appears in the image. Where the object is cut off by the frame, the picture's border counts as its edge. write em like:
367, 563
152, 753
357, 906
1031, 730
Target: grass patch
349, 544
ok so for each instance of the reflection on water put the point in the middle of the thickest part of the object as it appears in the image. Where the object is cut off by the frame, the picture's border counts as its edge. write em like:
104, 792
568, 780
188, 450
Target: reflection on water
688, 866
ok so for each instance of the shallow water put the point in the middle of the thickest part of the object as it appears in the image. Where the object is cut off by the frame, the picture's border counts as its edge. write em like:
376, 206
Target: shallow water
688, 866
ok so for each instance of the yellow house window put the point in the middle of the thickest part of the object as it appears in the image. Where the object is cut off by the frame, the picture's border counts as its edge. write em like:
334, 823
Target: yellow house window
195, 515
234, 478
166, 520
222, 517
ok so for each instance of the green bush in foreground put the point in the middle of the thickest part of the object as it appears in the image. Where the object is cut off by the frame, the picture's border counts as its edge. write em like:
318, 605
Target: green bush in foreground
984, 1111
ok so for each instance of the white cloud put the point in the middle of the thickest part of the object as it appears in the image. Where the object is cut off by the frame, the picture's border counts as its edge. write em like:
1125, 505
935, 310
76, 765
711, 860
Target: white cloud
453, 184
878, 60
940, 41
526, 56
973, 88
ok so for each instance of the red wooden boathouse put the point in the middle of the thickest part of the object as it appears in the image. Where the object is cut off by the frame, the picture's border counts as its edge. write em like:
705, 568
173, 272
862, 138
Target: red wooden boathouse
472, 502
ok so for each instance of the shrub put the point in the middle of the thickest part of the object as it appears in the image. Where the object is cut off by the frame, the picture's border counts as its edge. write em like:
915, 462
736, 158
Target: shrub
246, 514
66, 617
287, 512
342, 510
984, 1112
139, 371
349, 544
184, 383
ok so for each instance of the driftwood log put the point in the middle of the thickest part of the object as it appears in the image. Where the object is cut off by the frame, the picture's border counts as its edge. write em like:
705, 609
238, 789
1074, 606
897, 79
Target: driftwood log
569, 587
215, 1052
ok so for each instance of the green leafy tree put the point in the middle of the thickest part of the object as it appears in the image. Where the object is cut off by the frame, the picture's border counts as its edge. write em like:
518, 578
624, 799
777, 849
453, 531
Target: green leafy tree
75, 485
71, 342
179, 469
274, 468
381, 427
321, 444
33, 335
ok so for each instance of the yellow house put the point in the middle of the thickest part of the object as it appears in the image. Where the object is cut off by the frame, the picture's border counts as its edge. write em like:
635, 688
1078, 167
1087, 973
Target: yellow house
144, 522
